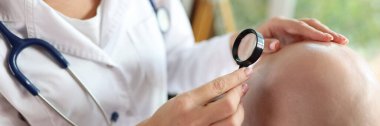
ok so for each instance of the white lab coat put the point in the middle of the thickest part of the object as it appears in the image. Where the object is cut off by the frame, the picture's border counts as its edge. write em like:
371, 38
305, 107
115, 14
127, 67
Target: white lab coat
130, 72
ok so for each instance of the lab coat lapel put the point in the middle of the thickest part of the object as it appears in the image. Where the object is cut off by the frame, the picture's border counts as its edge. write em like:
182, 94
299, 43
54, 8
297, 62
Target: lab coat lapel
61, 34
113, 13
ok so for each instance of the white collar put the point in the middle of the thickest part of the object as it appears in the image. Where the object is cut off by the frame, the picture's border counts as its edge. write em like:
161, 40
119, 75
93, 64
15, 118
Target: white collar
44, 23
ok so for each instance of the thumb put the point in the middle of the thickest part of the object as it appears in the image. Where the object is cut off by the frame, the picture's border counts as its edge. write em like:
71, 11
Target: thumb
271, 45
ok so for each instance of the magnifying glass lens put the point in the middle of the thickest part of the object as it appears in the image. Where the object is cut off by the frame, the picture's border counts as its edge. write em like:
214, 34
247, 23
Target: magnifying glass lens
247, 46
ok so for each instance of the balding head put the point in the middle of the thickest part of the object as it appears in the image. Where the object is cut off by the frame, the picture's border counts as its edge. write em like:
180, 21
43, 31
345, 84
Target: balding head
312, 84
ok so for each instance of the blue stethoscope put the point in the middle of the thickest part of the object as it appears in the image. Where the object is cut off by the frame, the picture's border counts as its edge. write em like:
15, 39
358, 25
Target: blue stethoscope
17, 45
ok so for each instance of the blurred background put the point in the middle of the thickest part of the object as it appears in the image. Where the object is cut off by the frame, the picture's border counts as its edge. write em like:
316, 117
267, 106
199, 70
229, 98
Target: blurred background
359, 20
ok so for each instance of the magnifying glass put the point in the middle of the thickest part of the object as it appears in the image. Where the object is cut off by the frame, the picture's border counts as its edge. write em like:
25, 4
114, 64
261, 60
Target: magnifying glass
248, 47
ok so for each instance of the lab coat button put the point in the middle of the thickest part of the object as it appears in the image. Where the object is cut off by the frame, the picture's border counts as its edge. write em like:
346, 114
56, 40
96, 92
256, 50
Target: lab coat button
114, 117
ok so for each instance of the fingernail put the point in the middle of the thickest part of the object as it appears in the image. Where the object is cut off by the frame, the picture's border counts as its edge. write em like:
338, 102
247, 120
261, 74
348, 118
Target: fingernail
248, 71
347, 41
273, 45
329, 36
343, 38
244, 87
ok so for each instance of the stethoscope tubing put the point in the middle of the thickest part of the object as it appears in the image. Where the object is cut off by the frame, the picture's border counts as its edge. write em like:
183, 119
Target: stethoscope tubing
17, 45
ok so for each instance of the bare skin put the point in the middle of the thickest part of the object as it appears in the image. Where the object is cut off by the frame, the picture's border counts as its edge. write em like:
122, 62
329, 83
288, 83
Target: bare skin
79, 9
313, 84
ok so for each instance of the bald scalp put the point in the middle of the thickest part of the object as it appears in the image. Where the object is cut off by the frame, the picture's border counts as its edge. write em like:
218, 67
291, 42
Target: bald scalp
313, 84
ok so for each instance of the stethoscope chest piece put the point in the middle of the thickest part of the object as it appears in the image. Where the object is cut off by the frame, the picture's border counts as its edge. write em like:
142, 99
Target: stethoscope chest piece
163, 19
162, 16
248, 47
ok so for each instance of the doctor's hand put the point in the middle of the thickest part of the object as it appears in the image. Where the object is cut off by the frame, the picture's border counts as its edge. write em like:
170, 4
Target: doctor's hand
287, 31
203, 106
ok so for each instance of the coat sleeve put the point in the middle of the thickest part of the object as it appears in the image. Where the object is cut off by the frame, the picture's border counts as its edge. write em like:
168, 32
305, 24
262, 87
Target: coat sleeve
9, 116
190, 64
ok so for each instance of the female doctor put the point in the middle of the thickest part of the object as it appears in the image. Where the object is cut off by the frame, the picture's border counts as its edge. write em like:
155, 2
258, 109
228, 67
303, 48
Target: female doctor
117, 50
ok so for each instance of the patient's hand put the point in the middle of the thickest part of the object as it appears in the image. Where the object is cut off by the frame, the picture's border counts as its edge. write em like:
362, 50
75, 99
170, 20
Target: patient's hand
291, 30
312, 84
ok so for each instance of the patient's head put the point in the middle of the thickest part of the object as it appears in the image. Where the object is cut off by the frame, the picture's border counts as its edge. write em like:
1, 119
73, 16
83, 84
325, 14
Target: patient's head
312, 84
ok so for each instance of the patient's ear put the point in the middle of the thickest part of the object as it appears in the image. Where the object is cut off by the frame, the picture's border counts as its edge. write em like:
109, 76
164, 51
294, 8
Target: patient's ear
312, 84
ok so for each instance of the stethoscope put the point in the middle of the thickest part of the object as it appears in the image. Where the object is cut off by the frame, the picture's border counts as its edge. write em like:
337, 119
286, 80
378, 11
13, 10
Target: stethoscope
17, 45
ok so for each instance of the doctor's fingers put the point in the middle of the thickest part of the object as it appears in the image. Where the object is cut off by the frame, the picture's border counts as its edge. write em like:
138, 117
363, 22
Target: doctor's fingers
297, 27
271, 45
227, 106
204, 94
319, 26
234, 120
